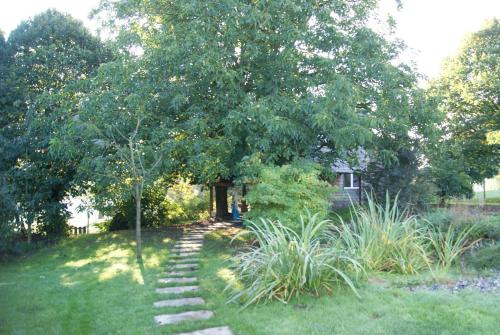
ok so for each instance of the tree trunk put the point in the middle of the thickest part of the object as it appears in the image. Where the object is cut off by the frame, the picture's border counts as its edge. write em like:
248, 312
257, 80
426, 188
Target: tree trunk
221, 211
88, 221
244, 206
138, 196
29, 222
211, 208
484, 192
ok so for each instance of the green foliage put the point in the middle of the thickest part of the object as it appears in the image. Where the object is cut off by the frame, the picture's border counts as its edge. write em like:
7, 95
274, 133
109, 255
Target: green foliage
284, 192
275, 78
468, 93
385, 238
449, 172
485, 258
283, 263
46, 58
486, 227
403, 177
185, 202
163, 203
449, 245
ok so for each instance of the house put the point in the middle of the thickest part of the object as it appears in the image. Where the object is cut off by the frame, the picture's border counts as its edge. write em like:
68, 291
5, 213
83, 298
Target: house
351, 187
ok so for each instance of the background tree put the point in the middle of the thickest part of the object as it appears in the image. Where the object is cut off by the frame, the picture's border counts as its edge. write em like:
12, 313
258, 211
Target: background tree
469, 88
48, 56
8, 210
405, 132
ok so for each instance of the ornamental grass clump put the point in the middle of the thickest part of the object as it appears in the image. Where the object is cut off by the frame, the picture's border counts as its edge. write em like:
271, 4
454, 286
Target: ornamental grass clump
385, 238
283, 263
448, 245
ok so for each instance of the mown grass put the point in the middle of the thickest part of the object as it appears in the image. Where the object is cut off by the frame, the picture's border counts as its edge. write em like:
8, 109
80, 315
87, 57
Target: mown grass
92, 285
492, 198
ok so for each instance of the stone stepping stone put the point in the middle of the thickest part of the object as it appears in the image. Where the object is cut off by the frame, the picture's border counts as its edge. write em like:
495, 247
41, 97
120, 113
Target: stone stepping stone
188, 244
180, 280
184, 260
168, 319
185, 254
179, 273
187, 247
179, 250
211, 331
184, 266
179, 302
177, 289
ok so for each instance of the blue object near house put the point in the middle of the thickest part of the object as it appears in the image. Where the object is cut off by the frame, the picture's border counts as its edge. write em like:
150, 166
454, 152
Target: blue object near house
234, 211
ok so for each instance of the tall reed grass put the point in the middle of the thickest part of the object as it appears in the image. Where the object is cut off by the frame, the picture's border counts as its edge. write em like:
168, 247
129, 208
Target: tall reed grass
385, 238
283, 263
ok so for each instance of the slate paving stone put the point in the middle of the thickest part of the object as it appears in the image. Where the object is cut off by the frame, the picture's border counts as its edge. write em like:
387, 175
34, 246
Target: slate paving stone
179, 302
184, 266
185, 254
177, 289
179, 273
178, 280
211, 331
190, 249
167, 319
184, 260
188, 245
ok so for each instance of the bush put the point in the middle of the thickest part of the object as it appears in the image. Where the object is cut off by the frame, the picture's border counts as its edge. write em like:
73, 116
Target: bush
403, 176
283, 263
162, 204
283, 192
486, 258
485, 227
385, 238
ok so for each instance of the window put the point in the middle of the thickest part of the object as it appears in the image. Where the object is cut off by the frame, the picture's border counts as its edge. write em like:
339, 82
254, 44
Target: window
351, 181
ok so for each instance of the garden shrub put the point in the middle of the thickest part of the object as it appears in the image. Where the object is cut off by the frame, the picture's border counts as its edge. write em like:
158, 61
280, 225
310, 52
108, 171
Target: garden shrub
485, 258
485, 227
283, 192
162, 204
282, 262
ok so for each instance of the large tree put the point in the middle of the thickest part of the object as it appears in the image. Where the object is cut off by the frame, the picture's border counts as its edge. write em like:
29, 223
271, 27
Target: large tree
48, 56
469, 88
279, 79
8, 208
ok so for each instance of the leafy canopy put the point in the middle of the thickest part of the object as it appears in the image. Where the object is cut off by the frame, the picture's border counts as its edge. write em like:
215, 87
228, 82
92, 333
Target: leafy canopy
469, 89
283, 78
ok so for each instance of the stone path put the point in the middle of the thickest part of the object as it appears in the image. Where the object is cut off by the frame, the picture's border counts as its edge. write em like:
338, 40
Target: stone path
181, 270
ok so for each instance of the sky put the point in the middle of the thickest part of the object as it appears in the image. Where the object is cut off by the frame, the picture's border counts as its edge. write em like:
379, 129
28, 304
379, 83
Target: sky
432, 29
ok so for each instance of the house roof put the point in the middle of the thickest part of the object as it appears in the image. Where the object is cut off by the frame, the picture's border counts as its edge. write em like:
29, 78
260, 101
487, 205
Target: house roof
342, 166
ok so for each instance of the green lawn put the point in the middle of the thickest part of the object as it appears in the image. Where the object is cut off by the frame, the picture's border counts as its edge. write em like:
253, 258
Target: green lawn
492, 198
92, 285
